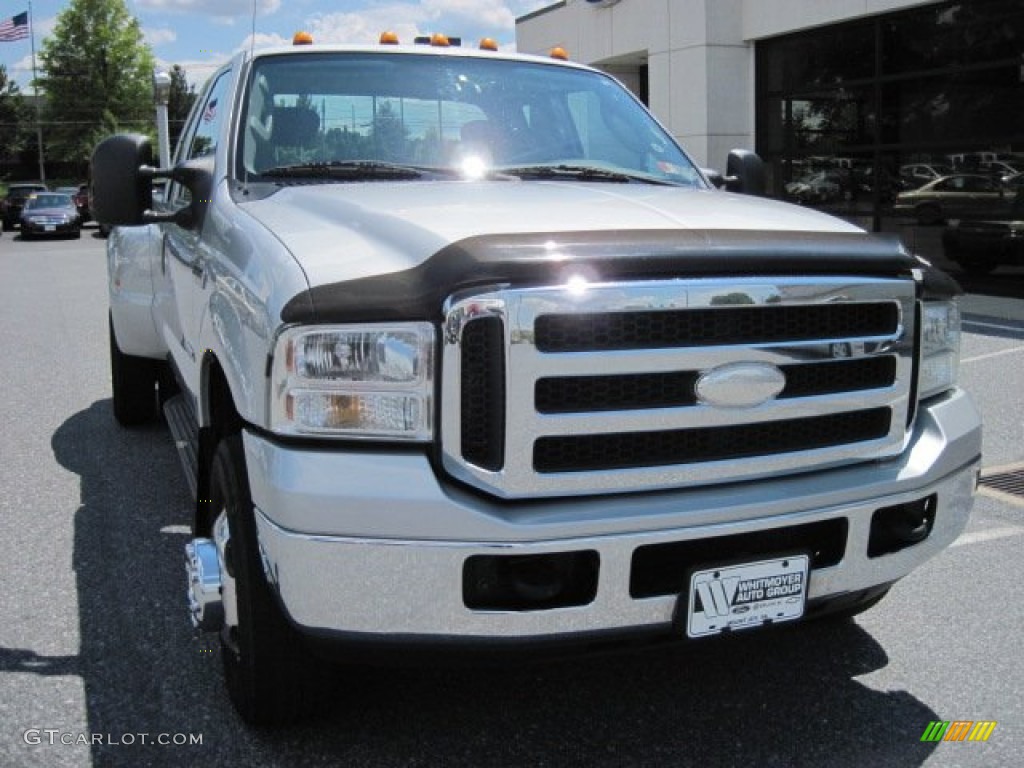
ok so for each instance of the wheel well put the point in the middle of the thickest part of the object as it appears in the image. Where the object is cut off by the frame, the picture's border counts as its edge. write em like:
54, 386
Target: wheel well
222, 421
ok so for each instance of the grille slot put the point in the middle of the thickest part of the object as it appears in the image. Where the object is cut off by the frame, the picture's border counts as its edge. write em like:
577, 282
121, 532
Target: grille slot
718, 326
483, 393
579, 394
590, 453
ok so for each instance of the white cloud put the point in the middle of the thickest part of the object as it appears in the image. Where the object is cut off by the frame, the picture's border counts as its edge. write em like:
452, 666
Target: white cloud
483, 13
196, 70
262, 41
470, 19
156, 37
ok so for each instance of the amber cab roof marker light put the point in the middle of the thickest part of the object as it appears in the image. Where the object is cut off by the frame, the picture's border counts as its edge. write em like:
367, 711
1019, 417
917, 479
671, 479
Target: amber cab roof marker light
389, 38
302, 38
558, 52
488, 44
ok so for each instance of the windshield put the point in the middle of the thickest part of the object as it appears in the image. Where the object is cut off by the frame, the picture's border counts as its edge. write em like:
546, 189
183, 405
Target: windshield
453, 115
49, 201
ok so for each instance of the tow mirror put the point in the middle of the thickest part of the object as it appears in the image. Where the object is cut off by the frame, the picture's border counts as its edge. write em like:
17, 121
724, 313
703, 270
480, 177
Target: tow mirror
122, 184
122, 181
744, 172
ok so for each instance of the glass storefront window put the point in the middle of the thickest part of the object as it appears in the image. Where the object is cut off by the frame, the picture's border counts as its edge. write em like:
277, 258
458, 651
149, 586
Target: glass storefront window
855, 117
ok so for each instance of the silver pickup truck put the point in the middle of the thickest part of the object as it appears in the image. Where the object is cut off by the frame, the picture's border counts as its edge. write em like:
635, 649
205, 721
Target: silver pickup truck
460, 347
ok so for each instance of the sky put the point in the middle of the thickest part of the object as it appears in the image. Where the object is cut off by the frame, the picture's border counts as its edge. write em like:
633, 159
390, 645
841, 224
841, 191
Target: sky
200, 35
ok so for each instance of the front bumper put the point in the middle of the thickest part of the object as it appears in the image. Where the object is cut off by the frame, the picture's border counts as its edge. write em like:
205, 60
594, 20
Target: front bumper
49, 229
373, 545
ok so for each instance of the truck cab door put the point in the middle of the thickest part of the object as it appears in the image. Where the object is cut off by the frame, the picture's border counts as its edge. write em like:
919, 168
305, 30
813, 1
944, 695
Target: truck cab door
183, 264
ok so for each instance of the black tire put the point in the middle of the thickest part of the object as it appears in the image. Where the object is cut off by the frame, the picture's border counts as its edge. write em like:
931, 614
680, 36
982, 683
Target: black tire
133, 385
270, 676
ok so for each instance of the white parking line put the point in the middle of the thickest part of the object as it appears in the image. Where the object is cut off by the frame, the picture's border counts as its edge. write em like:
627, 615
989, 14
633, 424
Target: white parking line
989, 355
994, 326
990, 534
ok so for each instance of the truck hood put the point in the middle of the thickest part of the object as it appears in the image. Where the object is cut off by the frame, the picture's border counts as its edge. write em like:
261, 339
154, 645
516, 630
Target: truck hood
344, 231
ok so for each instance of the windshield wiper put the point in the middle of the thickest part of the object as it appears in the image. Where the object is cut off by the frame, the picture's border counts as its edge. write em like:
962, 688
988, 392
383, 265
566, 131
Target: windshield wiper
578, 173
349, 170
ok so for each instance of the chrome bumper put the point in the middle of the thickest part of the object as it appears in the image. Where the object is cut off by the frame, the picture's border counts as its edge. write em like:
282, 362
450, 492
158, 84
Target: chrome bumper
331, 534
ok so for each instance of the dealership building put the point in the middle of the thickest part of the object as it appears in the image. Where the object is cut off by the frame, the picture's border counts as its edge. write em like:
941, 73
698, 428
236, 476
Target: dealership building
859, 95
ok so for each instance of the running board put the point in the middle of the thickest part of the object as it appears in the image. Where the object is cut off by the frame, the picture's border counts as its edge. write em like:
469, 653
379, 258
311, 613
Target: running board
185, 431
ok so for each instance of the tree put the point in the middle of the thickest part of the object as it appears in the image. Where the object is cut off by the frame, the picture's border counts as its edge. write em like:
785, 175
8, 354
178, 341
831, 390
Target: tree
12, 117
180, 103
96, 72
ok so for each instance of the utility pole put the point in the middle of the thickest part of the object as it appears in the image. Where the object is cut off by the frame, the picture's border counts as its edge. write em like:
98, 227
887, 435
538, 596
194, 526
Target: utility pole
35, 91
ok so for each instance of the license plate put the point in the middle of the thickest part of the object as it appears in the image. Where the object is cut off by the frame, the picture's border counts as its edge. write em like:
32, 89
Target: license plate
50, 228
747, 595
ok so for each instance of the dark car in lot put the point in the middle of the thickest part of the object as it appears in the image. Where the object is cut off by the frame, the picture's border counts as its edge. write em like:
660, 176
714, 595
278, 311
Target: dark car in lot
981, 245
80, 194
50, 214
14, 201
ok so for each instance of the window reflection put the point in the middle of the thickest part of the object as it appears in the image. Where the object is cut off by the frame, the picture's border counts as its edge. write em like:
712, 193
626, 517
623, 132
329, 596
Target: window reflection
856, 118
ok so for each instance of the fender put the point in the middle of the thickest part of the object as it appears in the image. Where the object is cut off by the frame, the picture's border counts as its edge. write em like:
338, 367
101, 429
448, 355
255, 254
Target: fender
133, 253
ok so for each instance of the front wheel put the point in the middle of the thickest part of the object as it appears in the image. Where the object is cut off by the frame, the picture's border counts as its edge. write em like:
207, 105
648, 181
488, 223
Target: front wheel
133, 385
270, 678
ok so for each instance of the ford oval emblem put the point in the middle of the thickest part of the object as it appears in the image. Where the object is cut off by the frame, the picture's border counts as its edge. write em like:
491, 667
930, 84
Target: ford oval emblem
740, 385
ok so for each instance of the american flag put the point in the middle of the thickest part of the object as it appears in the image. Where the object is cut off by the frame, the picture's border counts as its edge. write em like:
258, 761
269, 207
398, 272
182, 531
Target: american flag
15, 28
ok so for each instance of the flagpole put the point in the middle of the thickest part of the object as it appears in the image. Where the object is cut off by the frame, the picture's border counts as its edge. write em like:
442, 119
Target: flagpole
35, 91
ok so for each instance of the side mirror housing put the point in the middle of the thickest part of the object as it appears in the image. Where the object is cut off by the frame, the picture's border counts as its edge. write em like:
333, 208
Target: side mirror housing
122, 180
122, 184
744, 172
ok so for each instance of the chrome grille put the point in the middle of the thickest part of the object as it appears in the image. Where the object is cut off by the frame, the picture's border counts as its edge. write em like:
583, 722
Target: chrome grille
574, 390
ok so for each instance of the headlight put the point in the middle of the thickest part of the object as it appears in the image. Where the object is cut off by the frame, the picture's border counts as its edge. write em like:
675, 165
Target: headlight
361, 381
940, 347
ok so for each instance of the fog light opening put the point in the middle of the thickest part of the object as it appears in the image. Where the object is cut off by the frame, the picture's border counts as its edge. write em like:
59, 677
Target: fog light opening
901, 526
530, 582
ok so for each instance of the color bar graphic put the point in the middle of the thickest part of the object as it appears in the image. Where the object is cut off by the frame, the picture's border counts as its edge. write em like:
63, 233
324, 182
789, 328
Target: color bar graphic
958, 730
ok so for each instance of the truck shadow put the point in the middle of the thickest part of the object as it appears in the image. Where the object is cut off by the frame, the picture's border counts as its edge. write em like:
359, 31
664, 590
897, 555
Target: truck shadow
785, 697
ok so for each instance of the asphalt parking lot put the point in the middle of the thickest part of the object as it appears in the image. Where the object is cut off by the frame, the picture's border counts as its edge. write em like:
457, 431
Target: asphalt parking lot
98, 666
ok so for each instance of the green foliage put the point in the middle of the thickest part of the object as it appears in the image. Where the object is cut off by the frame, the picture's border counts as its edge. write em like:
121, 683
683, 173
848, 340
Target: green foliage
179, 104
12, 117
96, 72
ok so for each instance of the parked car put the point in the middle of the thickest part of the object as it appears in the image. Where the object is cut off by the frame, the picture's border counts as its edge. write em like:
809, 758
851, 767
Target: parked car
959, 195
817, 187
15, 201
979, 246
80, 194
916, 175
1014, 182
104, 228
998, 168
50, 213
